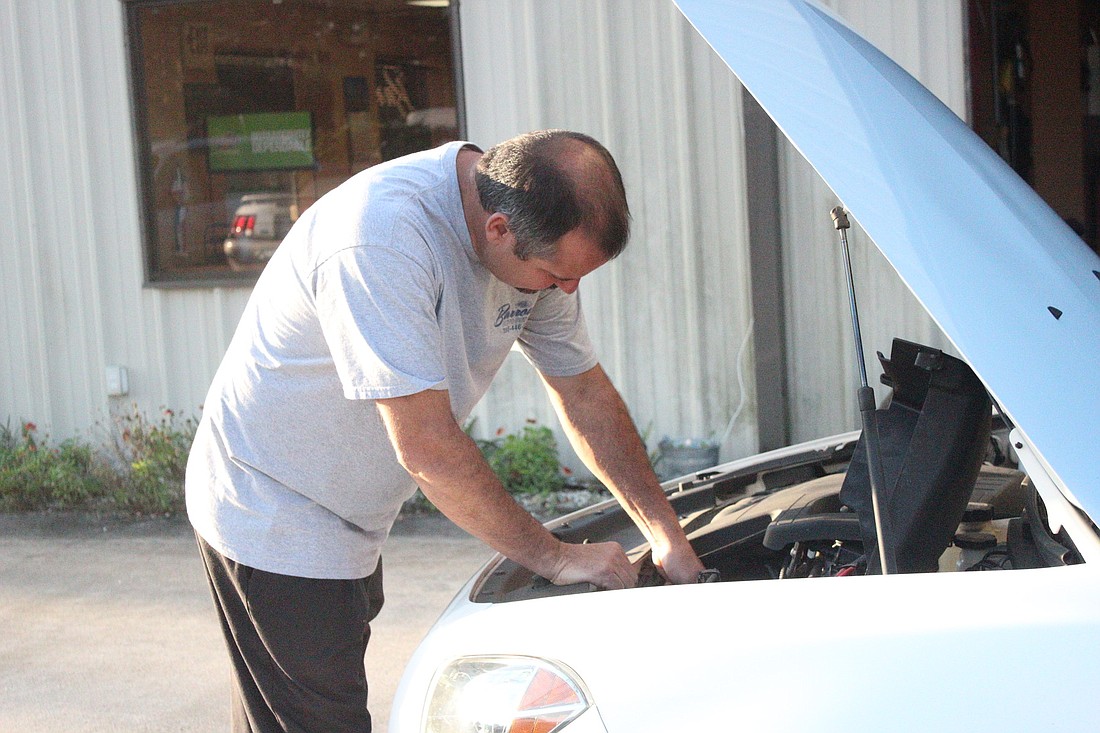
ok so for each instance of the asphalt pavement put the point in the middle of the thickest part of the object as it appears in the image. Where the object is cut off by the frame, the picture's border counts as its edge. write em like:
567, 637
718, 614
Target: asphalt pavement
108, 624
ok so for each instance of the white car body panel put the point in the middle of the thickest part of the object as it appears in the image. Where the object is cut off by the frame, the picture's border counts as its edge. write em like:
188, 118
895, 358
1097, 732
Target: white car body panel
754, 655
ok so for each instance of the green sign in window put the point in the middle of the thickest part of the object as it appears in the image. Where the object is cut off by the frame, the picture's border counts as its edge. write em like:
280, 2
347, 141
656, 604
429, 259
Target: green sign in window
262, 141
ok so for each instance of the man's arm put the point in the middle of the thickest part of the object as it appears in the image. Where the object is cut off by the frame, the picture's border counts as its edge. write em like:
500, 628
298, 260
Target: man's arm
455, 477
601, 431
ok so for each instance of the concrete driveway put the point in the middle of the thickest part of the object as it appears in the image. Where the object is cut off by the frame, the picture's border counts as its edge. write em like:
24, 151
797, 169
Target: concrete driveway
108, 625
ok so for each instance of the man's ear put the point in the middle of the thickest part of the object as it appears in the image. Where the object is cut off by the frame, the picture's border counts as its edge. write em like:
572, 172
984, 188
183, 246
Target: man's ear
497, 231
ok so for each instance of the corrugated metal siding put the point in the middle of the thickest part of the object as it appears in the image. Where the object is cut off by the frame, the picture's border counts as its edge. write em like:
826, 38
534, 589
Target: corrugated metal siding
21, 373
669, 316
926, 37
52, 323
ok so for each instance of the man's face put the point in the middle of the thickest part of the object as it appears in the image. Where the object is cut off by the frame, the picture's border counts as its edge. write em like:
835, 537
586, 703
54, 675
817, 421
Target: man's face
577, 254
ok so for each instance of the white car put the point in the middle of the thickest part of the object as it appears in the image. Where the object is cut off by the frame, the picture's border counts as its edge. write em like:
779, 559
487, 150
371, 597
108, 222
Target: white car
985, 505
258, 227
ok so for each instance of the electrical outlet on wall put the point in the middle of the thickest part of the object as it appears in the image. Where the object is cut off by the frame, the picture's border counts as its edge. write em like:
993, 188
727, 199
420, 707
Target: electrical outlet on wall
118, 381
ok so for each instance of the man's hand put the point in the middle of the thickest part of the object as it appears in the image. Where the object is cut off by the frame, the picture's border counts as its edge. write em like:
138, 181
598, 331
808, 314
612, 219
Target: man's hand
678, 567
603, 564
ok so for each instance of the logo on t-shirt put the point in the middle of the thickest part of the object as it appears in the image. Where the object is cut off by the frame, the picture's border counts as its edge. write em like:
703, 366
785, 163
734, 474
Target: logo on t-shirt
512, 317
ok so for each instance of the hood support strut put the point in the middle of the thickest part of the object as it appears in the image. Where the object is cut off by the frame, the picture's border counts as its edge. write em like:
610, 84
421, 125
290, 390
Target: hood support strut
866, 397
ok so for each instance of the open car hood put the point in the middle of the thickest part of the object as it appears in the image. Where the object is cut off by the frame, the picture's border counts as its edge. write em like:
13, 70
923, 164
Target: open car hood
1009, 283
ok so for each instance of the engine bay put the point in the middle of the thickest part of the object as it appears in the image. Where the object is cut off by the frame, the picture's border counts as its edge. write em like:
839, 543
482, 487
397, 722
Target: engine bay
956, 499
1003, 527
736, 522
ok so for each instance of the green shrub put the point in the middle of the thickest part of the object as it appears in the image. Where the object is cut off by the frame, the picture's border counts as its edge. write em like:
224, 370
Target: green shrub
527, 462
34, 475
152, 458
140, 470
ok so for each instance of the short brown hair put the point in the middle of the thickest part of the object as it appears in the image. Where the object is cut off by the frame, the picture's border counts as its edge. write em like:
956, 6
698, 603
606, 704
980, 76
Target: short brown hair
549, 183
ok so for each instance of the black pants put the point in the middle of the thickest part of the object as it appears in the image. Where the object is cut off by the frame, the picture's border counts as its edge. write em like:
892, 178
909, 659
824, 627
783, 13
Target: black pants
296, 646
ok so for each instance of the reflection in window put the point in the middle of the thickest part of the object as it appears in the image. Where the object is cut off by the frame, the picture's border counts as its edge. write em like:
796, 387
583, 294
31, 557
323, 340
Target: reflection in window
249, 110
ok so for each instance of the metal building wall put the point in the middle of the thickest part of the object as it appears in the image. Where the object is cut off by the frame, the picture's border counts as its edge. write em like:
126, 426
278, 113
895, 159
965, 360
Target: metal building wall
671, 315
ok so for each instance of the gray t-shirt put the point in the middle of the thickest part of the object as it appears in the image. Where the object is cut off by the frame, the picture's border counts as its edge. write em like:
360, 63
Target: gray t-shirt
376, 292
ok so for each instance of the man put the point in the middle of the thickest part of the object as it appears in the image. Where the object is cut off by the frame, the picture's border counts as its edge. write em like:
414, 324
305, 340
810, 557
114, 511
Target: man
369, 337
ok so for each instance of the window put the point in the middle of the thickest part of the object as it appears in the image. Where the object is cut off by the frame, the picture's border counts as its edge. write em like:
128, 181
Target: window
249, 110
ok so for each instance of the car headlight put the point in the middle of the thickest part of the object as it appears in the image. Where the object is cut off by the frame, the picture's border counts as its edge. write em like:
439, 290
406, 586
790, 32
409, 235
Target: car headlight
504, 694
